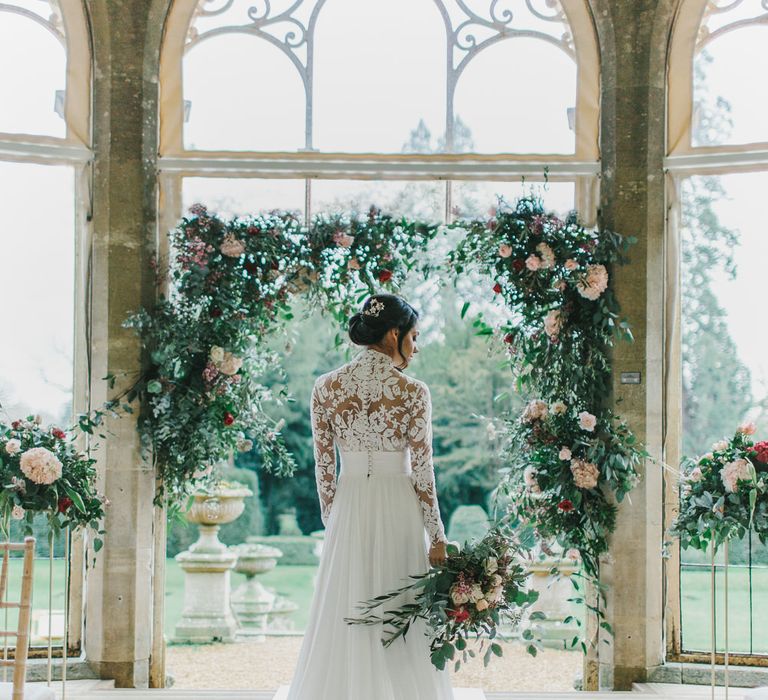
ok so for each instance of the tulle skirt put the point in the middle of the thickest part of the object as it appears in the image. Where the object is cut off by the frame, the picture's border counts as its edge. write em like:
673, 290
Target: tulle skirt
374, 539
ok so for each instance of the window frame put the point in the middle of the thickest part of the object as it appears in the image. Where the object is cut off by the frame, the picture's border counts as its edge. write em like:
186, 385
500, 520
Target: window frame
73, 150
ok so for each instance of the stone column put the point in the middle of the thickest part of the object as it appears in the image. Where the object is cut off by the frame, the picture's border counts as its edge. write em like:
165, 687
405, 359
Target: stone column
119, 585
633, 36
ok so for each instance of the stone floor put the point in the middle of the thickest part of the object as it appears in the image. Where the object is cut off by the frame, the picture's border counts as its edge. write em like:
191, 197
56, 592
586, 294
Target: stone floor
269, 665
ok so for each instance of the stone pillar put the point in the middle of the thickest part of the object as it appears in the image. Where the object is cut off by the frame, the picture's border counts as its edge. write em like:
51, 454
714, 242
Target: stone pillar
119, 626
633, 36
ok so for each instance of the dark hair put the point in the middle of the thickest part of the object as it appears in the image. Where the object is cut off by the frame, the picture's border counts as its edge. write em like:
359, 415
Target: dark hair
367, 329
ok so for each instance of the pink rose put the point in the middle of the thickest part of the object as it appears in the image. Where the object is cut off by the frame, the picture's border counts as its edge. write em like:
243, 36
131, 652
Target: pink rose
587, 421
747, 428
571, 264
564, 454
40, 465
505, 250
231, 246
733, 472
343, 239
353, 264
585, 474
695, 475
593, 283
553, 323
547, 255
533, 263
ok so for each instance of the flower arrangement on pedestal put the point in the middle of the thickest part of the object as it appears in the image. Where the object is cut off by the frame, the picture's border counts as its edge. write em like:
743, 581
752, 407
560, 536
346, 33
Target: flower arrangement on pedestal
724, 493
43, 471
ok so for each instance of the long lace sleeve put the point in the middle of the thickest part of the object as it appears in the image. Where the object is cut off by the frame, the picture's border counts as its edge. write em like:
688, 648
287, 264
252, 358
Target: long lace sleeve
423, 473
325, 455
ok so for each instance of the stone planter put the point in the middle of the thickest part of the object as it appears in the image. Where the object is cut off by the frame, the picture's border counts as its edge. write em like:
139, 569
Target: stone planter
207, 615
252, 602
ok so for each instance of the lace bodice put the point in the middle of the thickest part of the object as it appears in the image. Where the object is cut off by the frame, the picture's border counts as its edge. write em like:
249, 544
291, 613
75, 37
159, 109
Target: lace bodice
367, 404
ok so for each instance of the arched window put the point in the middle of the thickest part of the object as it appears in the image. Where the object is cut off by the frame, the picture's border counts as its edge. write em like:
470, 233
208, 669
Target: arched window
717, 167
44, 155
308, 104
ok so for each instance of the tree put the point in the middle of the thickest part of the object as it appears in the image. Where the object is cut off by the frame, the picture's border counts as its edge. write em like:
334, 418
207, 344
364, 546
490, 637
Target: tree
717, 386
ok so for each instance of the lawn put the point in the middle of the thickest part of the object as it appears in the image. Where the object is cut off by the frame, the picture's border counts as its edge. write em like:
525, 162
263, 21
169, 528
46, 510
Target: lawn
296, 583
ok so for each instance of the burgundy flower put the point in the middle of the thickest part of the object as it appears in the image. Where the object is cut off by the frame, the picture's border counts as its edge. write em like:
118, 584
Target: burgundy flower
228, 418
509, 338
252, 230
58, 433
385, 275
16, 424
64, 504
518, 265
565, 505
274, 265
460, 615
215, 312
497, 288
251, 267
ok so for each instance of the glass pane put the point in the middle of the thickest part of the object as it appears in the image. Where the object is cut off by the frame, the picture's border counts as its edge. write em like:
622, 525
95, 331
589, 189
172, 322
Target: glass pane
730, 92
242, 93
379, 72
415, 199
34, 66
725, 373
474, 199
530, 118
232, 197
38, 316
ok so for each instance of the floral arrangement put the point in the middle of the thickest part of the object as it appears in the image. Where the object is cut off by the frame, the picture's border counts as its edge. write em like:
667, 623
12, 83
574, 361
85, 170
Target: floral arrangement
471, 593
42, 471
724, 493
569, 459
231, 283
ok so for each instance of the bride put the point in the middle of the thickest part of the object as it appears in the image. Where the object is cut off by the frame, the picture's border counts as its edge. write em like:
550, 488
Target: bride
381, 515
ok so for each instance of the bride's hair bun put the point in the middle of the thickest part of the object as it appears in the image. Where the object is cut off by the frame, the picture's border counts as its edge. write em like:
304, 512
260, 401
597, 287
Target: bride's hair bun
378, 314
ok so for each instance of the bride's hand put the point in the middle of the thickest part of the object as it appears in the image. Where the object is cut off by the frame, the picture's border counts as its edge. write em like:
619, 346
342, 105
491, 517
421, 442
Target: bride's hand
437, 554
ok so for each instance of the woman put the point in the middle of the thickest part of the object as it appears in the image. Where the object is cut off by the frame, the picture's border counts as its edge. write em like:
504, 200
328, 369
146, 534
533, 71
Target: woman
381, 516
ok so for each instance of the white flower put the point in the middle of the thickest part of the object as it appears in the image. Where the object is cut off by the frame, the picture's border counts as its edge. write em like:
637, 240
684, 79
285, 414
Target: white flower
695, 475
529, 477
217, 354
17, 513
495, 594
13, 446
565, 454
574, 554
733, 472
571, 264
553, 323
593, 283
533, 262
720, 446
558, 408
491, 565
587, 421
535, 410
230, 364
459, 596
476, 593
481, 604
40, 465
231, 246
244, 445
547, 255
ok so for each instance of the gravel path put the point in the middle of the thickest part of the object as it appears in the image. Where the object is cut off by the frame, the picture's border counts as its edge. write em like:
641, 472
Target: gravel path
268, 665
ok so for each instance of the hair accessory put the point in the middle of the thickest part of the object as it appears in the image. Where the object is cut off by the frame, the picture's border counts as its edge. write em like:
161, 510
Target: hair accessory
374, 308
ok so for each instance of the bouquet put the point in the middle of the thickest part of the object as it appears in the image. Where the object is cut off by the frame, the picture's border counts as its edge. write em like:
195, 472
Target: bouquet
473, 592
724, 493
42, 471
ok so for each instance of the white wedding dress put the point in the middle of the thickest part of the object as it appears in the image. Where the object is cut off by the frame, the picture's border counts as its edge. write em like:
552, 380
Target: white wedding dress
380, 516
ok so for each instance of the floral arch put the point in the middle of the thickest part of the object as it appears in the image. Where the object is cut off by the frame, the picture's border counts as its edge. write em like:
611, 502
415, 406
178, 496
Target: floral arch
569, 459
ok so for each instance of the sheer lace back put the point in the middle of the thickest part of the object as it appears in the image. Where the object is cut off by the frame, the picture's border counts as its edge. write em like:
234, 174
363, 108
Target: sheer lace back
367, 404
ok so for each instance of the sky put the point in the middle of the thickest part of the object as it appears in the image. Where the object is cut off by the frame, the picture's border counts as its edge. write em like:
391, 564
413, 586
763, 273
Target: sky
371, 90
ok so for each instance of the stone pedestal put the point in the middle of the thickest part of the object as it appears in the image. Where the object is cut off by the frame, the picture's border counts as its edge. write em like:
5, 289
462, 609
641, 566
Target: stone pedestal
207, 616
554, 589
252, 602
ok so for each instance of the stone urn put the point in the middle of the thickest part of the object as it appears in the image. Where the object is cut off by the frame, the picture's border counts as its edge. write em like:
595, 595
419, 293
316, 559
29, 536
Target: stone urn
550, 575
252, 602
207, 615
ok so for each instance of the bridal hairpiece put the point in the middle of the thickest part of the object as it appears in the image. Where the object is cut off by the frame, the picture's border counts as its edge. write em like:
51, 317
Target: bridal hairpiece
374, 308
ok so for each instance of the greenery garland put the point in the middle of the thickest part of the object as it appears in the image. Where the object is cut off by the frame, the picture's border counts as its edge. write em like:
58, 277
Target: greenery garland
231, 286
